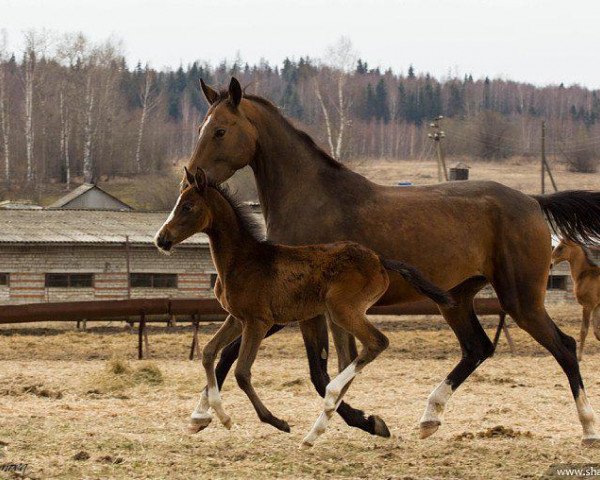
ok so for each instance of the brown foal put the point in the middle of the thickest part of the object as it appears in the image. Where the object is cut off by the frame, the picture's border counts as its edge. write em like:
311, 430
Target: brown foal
342, 280
586, 277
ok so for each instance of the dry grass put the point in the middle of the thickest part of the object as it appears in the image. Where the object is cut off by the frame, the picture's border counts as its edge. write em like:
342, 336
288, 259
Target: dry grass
520, 173
77, 405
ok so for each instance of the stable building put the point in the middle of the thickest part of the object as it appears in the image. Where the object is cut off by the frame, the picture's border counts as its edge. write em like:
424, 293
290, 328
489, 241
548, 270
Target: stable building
65, 255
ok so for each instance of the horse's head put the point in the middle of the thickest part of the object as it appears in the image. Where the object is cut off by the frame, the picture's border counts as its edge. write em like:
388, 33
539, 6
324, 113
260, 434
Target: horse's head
190, 215
562, 252
227, 140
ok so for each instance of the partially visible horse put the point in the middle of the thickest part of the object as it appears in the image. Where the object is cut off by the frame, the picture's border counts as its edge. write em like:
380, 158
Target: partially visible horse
288, 284
586, 277
461, 235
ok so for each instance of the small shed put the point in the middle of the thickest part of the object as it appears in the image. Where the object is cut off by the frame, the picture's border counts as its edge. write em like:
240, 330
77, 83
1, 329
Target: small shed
90, 196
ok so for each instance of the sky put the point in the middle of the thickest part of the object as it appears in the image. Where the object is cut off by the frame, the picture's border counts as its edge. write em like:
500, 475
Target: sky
537, 41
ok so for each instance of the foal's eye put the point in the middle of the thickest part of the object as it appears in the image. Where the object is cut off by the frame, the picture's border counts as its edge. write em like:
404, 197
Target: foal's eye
219, 132
186, 207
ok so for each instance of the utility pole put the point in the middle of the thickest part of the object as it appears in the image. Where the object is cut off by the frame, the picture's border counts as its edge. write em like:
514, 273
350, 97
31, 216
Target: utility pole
543, 157
437, 135
545, 167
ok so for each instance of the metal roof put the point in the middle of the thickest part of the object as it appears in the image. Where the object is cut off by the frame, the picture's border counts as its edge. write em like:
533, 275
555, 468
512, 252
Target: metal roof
80, 190
83, 227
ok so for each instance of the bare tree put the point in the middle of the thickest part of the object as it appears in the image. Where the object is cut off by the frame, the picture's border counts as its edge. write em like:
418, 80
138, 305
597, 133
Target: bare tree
4, 113
65, 132
36, 44
341, 57
88, 166
148, 101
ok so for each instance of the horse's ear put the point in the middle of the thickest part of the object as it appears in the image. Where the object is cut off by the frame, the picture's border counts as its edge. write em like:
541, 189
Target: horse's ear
210, 93
189, 177
235, 91
200, 180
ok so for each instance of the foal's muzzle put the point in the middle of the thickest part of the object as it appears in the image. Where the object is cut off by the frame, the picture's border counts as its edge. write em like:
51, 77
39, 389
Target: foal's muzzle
163, 242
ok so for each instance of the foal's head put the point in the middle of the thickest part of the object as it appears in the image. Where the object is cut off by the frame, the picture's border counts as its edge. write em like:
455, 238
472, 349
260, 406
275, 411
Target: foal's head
563, 252
190, 215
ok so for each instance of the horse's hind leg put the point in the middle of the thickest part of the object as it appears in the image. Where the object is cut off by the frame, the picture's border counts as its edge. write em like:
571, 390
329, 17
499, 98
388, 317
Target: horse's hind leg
314, 333
540, 326
521, 294
475, 346
374, 342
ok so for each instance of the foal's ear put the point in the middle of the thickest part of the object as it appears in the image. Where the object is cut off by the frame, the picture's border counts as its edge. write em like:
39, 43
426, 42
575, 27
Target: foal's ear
235, 91
200, 180
210, 93
189, 178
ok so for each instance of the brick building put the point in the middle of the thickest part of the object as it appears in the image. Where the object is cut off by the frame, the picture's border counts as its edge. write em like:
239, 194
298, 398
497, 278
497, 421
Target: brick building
68, 255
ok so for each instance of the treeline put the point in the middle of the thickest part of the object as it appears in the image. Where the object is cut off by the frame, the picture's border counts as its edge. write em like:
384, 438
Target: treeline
79, 110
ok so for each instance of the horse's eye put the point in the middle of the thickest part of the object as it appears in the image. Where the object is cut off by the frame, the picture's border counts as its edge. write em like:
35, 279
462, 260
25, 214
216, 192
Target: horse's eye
220, 132
186, 207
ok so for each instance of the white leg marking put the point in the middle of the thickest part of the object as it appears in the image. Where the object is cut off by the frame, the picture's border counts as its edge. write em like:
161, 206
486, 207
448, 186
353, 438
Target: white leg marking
214, 400
587, 418
334, 389
333, 398
436, 402
201, 417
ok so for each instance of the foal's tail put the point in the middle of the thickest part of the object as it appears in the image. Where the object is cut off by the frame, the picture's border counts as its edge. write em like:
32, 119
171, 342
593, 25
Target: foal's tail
573, 214
418, 281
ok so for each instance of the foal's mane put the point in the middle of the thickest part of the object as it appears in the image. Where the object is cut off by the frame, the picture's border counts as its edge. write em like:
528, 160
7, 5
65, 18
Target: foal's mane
243, 212
302, 135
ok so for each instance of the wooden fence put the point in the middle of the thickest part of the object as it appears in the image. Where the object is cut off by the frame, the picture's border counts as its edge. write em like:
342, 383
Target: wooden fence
198, 310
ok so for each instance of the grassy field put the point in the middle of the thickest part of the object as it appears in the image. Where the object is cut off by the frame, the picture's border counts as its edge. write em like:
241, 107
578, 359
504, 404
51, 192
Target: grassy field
520, 173
70, 410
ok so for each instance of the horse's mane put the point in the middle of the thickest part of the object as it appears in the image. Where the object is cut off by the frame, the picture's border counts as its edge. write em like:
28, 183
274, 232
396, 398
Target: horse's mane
302, 135
247, 220
589, 257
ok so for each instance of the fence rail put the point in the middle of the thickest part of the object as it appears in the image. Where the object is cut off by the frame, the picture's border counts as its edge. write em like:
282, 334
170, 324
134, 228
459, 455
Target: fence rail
199, 310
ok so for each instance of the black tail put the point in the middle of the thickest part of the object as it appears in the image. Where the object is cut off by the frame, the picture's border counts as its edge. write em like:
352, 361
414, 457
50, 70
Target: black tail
573, 214
418, 281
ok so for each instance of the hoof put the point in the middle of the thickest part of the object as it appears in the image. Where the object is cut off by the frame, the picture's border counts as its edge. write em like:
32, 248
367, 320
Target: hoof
306, 444
283, 426
197, 424
591, 441
227, 422
429, 427
379, 427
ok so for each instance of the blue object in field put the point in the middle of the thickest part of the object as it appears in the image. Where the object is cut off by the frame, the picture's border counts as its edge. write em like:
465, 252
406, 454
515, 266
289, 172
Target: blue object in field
404, 184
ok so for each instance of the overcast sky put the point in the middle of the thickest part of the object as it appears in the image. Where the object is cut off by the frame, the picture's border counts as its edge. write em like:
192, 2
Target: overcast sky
539, 41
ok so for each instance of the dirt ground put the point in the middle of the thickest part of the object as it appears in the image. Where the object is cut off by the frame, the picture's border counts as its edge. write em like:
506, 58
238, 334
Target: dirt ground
78, 405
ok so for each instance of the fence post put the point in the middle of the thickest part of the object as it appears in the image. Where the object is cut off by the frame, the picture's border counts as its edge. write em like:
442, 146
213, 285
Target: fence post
141, 329
194, 346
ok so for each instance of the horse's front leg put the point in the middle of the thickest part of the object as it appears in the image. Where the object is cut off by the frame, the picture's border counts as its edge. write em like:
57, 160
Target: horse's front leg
230, 354
252, 335
211, 398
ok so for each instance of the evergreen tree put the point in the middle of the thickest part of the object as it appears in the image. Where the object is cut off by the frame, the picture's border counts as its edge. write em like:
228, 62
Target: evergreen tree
382, 110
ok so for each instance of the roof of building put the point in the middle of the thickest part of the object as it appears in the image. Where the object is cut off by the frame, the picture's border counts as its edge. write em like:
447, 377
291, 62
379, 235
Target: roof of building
81, 190
83, 227
19, 205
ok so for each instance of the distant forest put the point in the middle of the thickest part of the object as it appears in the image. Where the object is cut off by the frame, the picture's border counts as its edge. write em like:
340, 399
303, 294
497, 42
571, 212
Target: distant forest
70, 108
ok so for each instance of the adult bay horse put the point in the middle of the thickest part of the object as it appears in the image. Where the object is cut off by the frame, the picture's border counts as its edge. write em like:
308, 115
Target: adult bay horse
461, 235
